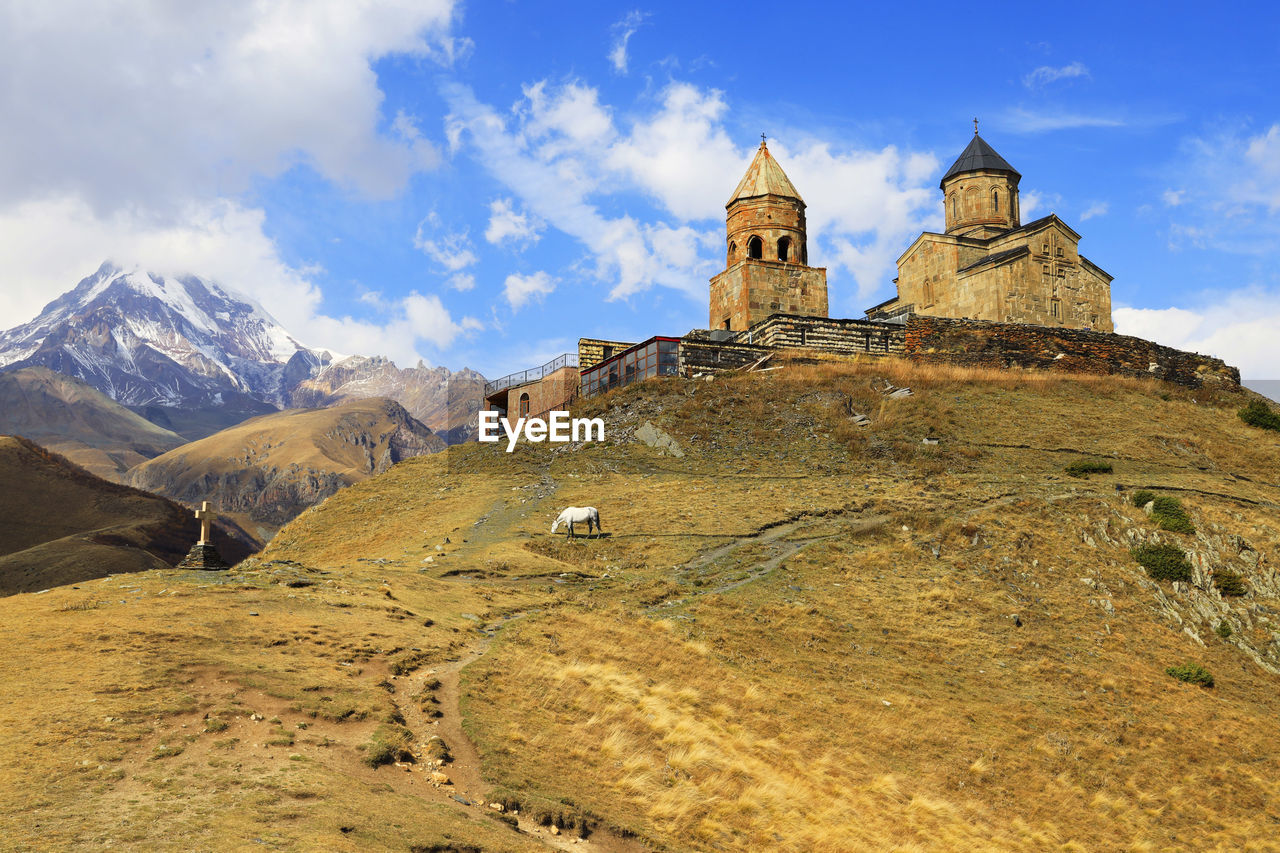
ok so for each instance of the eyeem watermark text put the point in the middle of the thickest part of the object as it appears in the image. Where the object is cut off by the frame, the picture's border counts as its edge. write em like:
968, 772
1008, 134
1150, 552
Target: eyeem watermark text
558, 427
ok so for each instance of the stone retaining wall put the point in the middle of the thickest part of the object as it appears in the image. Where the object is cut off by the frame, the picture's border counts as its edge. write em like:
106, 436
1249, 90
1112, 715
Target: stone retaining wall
840, 337
1002, 345
700, 354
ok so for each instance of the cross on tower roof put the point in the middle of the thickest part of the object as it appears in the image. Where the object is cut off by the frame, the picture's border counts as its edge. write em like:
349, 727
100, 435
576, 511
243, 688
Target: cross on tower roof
975, 125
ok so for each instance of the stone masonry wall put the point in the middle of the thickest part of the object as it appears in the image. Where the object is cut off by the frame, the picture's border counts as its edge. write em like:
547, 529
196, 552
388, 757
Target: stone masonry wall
983, 344
700, 354
591, 351
842, 337
751, 290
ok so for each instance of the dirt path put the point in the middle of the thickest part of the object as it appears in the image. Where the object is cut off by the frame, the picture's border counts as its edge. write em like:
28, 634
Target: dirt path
467, 786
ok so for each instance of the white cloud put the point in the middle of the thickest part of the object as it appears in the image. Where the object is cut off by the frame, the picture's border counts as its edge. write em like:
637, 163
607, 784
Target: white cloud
561, 148
519, 289
462, 282
1021, 120
1047, 74
150, 102
1173, 198
50, 245
622, 32
451, 250
1098, 208
507, 226
1231, 193
1237, 326
1030, 203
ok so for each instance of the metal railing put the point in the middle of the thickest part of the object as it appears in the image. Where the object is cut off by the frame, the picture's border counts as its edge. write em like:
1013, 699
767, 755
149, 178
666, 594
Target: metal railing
569, 359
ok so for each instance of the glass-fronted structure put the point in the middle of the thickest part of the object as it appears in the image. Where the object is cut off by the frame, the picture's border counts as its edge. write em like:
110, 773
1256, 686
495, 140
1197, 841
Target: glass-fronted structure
657, 356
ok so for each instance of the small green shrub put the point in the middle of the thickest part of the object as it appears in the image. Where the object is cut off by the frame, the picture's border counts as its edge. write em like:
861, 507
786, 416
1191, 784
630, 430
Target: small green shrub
1163, 562
390, 742
1223, 630
1192, 673
1259, 414
213, 724
1142, 497
1229, 582
1168, 514
1085, 467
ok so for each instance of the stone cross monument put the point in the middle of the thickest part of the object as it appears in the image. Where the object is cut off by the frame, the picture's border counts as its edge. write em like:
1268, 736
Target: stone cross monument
203, 554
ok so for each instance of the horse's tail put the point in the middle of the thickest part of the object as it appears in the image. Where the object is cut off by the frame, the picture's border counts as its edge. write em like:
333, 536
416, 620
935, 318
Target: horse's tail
598, 527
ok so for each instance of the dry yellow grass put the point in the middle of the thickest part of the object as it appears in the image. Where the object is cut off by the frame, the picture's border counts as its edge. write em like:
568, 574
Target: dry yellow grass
802, 635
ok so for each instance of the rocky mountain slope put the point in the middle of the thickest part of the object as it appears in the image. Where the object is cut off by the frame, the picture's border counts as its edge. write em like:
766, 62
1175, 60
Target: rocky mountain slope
79, 422
797, 633
268, 469
143, 338
61, 525
444, 400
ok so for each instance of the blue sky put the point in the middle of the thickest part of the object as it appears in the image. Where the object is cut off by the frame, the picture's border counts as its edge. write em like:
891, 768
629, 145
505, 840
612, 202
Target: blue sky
480, 184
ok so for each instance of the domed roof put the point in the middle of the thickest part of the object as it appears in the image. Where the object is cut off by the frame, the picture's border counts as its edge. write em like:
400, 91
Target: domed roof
978, 157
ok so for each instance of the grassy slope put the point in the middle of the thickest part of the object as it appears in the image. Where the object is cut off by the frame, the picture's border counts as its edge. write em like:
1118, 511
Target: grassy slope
60, 524
799, 636
79, 422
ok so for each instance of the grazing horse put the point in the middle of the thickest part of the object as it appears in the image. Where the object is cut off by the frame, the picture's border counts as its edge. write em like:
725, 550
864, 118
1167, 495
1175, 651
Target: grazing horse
576, 515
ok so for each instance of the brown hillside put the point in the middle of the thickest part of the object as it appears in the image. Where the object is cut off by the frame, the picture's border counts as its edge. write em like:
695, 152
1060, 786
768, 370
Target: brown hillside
800, 634
60, 524
270, 468
79, 422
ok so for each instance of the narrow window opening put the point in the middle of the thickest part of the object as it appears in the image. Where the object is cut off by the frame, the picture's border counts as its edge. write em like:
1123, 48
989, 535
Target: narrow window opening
726, 326
733, 251
995, 199
524, 405
784, 249
755, 248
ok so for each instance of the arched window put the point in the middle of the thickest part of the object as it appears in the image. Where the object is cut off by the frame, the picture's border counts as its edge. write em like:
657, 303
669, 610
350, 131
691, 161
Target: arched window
995, 199
733, 251
955, 206
784, 249
524, 405
755, 248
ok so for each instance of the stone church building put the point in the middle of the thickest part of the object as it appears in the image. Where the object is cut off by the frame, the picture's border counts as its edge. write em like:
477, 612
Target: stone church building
989, 266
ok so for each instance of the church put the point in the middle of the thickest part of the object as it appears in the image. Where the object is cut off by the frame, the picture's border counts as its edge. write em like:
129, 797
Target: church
987, 265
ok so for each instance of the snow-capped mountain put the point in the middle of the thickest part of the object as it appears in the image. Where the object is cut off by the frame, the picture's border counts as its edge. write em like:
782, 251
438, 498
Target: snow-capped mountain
146, 339
196, 357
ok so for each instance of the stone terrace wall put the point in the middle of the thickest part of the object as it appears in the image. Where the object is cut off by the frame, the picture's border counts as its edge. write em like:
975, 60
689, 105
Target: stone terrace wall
700, 354
986, 344
841, 337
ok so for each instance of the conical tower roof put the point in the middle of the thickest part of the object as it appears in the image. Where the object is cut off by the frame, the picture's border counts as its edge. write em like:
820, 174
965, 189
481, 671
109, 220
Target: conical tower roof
979, 156
764, 177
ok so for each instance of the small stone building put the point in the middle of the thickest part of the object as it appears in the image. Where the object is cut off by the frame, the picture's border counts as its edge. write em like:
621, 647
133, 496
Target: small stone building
537, 391
989, 266
767, 263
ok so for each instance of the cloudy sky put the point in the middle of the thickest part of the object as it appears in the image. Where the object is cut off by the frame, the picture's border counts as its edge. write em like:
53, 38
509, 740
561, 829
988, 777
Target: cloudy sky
482, 183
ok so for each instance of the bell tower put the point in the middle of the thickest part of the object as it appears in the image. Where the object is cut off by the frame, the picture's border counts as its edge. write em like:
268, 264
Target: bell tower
980, 192
767, 253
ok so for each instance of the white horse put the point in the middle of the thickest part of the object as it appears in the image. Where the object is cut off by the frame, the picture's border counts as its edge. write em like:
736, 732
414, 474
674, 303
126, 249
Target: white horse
576, 515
